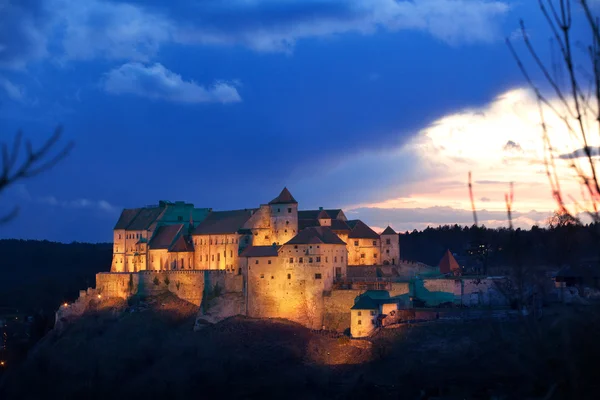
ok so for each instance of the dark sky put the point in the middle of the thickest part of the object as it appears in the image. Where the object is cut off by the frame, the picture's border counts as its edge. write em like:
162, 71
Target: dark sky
224, 103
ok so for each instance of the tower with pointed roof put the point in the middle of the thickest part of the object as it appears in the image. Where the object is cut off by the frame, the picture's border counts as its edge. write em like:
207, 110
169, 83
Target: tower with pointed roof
283, 211
390, 247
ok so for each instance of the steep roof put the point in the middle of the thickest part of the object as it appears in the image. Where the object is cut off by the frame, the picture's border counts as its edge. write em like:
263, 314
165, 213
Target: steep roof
389, 231
285, 197
314, 214
339, 225
219, 222
182, 244
312, 235
365, 303
145, 218
448, 263
323, 215
360, 230
307, 223
260, 251
165, 236
127, 215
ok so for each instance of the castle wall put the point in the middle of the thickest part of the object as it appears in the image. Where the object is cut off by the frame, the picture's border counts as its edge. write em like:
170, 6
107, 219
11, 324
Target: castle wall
363, 251
284, 222
390, 249
218, 252
187, 285
260, 224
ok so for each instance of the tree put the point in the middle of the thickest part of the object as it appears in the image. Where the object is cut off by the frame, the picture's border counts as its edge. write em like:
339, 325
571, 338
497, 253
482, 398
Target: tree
577, 104
15, 167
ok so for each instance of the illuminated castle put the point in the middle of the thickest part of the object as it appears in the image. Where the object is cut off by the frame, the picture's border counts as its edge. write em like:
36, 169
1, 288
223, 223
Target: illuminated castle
178, 236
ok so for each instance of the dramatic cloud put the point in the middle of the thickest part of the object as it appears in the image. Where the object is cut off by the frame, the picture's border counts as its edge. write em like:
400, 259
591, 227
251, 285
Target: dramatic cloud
157, 82
136, 30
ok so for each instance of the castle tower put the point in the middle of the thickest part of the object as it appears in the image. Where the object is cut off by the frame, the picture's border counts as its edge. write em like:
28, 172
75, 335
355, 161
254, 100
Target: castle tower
284, 217
390, 247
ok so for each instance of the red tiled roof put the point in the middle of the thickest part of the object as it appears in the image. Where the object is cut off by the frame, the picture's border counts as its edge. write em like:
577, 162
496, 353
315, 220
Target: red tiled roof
389, 231
182, 244
164, 236
315, 235
285, 197
448, 263
145, 218
220, 222
127, 215
360, 230
260, 251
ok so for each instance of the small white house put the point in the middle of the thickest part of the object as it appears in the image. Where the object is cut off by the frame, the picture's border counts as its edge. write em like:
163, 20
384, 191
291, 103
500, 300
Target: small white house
363, 317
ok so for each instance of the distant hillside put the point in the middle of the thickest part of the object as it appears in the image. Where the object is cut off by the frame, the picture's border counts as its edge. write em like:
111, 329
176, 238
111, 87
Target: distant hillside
40, 275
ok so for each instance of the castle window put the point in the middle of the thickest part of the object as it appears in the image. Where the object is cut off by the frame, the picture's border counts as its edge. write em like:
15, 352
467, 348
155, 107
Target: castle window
387, 251
335, 259
289, 276
207, 257
289, 210
356, 242
317, 276
262, 276
230, 253
372, 312
218, 256
291, 259
256, 262
212, 258
272, 277
300, 260
362, 255
318, 246
224, 253
266, 237
210, 241
287, 222
359, 322
310, 247
179, 218
310, 260
342, 259
318, 259
326, 259
374, 255
285, 231
119, 236
269, 262
387, 241
296, 246
359, 313
374, 242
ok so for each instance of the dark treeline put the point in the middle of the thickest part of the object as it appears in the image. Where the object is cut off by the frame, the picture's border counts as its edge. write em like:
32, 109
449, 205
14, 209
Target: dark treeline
555, 246
37, 276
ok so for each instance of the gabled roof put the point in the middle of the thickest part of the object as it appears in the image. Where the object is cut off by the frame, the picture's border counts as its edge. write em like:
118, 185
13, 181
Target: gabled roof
360, 230
339, 225
220, 222
323, 215
315, 235
127, 215
165, 236
389, 231
260, 251
182, 244
306, 223
145, 218
314, 214
285, 197
448, 263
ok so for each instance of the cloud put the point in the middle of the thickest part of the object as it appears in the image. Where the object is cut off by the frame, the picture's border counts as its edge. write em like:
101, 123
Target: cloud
157, 82
511, 145
101, 205
14, 92
580, 153
136, 30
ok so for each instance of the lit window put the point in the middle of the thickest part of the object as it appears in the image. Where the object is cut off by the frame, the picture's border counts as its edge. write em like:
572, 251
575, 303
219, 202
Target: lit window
317, 276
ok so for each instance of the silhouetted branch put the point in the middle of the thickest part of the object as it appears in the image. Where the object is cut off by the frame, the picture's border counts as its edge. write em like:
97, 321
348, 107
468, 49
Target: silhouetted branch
472, 199
35, 162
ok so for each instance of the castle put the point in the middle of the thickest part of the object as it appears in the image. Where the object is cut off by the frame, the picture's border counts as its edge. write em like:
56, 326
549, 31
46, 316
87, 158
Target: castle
178, 236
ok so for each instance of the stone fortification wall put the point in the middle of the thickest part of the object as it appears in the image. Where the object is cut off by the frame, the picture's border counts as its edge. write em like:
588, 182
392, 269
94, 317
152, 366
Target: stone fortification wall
460, 291
187, 285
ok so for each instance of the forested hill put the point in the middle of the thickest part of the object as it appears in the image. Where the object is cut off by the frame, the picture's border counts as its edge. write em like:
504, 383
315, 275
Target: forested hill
40, 275
556, 246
